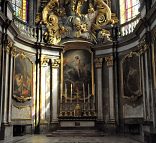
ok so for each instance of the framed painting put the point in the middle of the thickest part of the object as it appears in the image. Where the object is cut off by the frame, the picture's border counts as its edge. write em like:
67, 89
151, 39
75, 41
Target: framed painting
77, 72
131, 77
131, 86
23, 81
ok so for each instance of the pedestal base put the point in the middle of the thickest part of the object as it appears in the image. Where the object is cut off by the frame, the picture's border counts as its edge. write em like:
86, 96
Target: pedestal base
53, 126
6, 132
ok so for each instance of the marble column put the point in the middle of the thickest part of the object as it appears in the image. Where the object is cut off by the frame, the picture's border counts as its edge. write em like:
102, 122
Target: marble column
98, 95
10, 81
143, 86
55, 90
147, 88
5, 86
154, 75
109, 60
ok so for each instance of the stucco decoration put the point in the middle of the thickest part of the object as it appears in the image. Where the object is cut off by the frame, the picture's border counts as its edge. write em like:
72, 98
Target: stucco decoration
84, 19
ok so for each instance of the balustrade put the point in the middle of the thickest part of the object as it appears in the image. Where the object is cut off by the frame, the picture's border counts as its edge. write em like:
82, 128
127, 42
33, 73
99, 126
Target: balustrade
129, 26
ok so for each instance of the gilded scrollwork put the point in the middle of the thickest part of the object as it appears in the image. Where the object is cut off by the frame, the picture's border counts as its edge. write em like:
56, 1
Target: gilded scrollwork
77, 19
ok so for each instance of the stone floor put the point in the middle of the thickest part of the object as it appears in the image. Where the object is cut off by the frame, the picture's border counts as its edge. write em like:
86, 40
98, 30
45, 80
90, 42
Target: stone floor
45, 139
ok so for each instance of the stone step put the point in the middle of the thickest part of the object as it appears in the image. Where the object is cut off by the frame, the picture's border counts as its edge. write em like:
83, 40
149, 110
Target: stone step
77, 132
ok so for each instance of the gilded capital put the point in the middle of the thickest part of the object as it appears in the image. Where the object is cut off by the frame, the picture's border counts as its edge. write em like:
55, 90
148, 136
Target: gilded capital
13, 52
44, 61
9, 47
56, 63
109, 60
98, 62
144, 46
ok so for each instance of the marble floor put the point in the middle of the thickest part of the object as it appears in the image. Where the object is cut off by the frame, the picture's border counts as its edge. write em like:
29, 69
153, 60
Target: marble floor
45, 139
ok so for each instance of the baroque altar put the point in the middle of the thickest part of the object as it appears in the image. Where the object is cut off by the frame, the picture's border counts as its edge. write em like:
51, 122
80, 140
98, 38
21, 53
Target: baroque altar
69, 23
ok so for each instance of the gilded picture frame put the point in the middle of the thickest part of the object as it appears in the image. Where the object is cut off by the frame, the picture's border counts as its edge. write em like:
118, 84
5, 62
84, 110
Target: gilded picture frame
22, 81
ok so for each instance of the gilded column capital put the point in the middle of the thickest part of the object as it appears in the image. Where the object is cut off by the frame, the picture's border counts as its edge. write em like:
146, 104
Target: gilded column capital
9, 47
98, 62
44, 61
13, 52
56, 63
109, 60
144, 46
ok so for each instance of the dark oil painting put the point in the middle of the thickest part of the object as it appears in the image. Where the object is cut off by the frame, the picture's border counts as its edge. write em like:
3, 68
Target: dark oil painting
77, 71
131, 77
23, 79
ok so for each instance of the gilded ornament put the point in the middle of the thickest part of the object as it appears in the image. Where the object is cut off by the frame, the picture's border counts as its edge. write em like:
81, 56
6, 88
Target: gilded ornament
77, 19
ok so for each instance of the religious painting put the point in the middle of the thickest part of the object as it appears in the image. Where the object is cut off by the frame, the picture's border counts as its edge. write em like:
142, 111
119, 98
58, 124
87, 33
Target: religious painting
23, 79
131, 77
132, 99
77, 73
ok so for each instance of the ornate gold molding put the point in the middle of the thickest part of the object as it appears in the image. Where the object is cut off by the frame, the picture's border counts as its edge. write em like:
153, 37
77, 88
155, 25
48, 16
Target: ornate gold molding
109, 60
98, 62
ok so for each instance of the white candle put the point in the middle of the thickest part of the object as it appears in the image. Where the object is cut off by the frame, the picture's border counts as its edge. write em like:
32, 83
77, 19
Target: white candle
84, 92
65, 93
71, 93
61, 92
88, 93
94, 95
